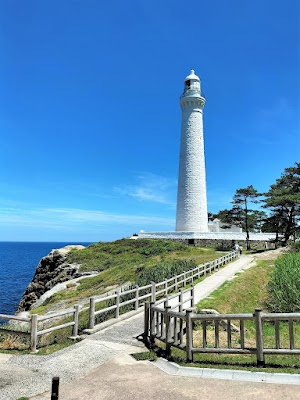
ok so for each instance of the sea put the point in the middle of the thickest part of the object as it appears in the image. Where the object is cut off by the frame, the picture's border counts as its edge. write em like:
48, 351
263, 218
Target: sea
18, 262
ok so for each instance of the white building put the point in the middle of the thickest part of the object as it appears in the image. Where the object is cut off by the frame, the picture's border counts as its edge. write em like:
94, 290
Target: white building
217, 226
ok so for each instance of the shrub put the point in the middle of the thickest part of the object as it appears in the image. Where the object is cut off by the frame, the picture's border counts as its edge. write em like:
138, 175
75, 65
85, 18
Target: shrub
164, 270
295, 246
284, 285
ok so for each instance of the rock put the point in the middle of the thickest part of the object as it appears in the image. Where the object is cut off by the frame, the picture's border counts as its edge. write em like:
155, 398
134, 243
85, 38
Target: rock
51, 270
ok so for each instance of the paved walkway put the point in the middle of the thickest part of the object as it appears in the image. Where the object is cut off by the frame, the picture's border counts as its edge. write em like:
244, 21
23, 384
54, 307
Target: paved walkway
212, 282
100, 367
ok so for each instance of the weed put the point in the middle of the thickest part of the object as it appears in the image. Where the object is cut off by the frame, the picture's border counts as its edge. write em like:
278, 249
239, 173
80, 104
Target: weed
284, 285
146, 355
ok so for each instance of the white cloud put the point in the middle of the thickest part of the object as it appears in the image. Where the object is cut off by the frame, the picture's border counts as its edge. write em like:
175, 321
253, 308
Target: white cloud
151, 187
67, 217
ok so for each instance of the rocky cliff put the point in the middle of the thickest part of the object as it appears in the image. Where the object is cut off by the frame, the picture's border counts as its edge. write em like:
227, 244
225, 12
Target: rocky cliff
51, 270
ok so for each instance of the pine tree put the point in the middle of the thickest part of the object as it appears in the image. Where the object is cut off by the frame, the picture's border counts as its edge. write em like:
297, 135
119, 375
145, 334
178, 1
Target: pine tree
283, 201
241, 211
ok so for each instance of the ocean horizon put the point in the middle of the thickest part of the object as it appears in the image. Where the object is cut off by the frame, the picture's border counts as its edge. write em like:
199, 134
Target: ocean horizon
18, 262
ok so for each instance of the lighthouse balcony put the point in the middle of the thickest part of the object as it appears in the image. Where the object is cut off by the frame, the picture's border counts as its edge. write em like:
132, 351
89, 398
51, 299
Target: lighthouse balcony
192, 93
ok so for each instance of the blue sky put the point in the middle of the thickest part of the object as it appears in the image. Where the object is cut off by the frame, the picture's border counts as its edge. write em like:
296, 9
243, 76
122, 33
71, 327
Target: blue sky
90, 117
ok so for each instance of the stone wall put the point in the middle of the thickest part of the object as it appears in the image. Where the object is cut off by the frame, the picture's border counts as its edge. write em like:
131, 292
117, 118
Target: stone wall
223, 244
220, 236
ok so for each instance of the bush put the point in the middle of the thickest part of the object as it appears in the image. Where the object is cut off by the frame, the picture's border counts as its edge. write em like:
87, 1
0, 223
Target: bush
295, 246
164, 270
284, 285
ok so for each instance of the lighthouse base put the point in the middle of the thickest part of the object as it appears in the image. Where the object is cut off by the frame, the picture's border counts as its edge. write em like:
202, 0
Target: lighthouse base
220, 240
207, 235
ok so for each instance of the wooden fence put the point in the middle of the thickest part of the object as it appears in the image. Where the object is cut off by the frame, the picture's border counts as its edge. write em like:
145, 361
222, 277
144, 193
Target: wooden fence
177, 329
136, 297
153, 291
33, 324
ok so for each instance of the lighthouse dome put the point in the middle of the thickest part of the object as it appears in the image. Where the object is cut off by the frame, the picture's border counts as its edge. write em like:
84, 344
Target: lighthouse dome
192, 85
193, 76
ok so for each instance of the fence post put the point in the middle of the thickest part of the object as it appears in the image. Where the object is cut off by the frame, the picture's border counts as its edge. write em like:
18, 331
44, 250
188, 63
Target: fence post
152, 323
54, 389
166, 302
184, 278
259, 338
168, 328
189, 336
176, 283
180, 300
146, 321
136, 297
33, 332
117, 303
76, 315
153, 291
192, 296
166, 287
92, 313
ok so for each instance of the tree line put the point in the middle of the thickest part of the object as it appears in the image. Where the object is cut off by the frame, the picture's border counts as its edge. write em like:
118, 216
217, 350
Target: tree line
278, 209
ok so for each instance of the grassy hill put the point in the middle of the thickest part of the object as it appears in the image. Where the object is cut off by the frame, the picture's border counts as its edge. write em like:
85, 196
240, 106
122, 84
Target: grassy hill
122, 261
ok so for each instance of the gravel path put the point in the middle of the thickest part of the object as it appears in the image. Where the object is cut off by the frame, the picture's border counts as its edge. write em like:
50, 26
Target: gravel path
28, 375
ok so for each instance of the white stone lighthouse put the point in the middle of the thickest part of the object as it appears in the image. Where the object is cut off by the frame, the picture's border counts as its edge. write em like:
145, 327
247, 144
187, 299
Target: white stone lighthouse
191, 196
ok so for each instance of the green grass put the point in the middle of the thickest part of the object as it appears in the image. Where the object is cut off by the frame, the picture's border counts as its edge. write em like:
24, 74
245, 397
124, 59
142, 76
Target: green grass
52, 348
247, 291
242, 294
278, 364
145, 355
134, 261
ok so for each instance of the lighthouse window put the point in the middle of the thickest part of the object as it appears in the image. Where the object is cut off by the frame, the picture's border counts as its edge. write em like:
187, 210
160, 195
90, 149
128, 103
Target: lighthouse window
188, 83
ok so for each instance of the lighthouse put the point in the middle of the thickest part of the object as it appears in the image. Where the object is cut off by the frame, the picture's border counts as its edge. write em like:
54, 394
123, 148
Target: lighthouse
191, 213
192, 226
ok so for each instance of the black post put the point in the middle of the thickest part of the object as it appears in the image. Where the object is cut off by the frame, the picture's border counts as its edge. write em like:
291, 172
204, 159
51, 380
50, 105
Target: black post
146, 322
54, 390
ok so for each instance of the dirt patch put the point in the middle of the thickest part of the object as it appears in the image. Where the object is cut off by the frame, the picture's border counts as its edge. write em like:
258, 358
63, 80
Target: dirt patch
270, 254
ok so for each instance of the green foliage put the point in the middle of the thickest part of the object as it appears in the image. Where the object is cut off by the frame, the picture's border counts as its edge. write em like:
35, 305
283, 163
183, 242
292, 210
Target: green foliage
164, 270
101, 256
241, 214
241, 211
294, 246
145, 355
284, 285
283, 201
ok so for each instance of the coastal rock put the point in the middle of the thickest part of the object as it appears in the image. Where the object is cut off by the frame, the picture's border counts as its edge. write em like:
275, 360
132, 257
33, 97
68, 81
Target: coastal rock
51, 270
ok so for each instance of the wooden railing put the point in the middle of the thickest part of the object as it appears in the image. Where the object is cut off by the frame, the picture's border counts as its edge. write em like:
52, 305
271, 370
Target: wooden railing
153, 291
33, 325
177, 329
136, 296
